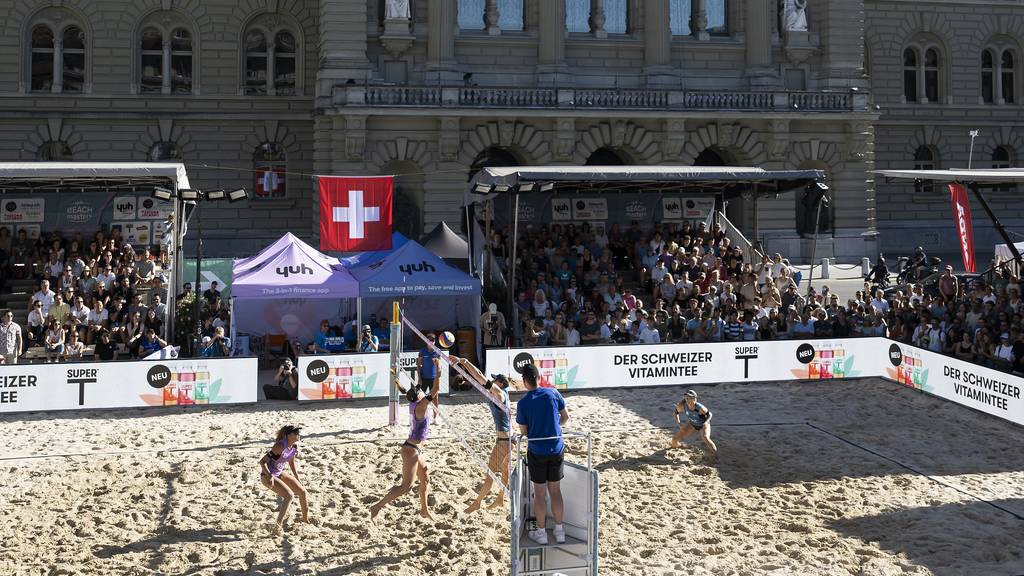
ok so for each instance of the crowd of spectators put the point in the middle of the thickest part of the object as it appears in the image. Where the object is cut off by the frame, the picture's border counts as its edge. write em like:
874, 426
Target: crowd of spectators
588, 285
97, 292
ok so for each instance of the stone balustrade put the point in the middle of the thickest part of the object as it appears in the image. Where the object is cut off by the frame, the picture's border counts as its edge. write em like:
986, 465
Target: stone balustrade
597, 99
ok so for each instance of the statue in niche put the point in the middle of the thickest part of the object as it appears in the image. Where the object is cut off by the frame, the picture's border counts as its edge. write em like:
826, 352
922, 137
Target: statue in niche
795, 16
396, 10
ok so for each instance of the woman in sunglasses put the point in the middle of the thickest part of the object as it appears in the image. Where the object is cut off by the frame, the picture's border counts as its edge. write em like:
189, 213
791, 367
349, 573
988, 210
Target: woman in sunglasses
284, 483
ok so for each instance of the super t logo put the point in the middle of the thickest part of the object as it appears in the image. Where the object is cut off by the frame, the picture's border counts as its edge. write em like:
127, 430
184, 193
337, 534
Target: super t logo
965, 242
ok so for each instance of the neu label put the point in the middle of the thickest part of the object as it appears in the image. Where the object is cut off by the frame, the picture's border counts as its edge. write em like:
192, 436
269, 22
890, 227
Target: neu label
317, 371
521, 360
158, 376
895, 355
805, 353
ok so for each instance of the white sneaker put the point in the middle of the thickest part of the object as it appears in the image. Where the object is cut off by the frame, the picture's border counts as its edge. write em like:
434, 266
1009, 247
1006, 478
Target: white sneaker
540, 536
559, 533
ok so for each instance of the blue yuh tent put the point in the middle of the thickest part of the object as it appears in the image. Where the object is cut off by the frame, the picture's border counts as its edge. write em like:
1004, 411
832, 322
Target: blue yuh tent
434, 294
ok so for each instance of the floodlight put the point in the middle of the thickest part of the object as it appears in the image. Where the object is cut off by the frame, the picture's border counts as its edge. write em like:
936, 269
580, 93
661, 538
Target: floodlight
188, 194
162, 193
482, 188
501, 188
547, 187
821, 186
238, 195
527, 186
216, 195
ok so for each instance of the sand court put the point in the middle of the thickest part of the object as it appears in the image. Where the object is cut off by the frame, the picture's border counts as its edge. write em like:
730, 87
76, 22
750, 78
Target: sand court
855, 477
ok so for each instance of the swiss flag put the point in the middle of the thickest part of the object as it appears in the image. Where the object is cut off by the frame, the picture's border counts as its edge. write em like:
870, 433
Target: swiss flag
269, 183
355, 213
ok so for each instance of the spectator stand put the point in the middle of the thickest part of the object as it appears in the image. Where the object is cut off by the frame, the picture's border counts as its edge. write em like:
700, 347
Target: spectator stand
570, 186
56, 212
315, 286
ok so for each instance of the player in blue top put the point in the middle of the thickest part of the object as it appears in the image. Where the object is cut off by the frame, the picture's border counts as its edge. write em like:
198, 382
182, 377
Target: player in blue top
497, 462
540, 414
428, 364
692, 416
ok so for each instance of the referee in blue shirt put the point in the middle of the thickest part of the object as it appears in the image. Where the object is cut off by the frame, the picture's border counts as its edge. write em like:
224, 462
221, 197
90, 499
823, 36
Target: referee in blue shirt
540, 414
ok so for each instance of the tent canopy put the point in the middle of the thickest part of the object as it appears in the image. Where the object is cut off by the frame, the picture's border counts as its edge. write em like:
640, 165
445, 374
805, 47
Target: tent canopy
989, 176
415, 271
643, 178
76, 175
444, 242
293, 270
366, 258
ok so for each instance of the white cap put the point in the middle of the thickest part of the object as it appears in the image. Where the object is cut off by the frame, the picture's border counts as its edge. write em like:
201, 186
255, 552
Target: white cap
492, 307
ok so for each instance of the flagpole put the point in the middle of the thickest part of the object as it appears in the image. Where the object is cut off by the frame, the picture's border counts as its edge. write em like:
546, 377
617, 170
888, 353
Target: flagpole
970, 155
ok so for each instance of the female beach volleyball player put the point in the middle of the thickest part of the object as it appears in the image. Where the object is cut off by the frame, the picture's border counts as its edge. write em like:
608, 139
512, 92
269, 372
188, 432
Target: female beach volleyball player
273, 474
497, 387
414, 465
692, 416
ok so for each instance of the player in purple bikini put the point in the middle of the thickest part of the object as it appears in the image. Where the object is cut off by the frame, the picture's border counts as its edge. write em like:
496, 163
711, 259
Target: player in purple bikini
273, 474
414, 465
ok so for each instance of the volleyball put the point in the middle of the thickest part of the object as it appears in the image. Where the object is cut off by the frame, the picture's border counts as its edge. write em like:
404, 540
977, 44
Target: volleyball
446, 340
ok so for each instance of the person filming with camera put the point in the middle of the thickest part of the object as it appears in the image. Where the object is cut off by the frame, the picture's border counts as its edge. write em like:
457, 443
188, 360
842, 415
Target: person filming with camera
286, 383
493, 326
367, 341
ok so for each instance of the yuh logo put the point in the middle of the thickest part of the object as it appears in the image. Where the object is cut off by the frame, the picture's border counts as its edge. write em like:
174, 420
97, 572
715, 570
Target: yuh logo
560, 208
672, 207
423, 266
124, 206
286, 270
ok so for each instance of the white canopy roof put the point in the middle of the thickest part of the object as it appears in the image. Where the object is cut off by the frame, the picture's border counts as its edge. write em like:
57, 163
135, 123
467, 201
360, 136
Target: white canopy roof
44, 175
997, 175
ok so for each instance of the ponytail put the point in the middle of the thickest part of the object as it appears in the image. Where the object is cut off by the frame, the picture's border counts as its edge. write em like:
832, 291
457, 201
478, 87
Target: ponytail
283, 433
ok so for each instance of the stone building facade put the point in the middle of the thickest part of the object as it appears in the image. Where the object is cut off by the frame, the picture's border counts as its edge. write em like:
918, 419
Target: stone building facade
266, 93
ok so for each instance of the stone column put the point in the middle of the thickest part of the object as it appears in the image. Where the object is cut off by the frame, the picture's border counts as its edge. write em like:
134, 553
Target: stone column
551, 68
342, 35
165, 67
596, 19
699, 20
758, 35
58, 64
441, 16
657, 43
491, 17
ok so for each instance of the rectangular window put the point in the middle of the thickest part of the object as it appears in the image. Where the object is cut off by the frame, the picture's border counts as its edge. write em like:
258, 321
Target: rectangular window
510, 15
577, 15
284, 76
931, 85
42, 71
986, 87
152, 73
716, 16
910, 85
616, 16
471, 14
1008, 87
256, 75
181, 74
679, 17
74, 71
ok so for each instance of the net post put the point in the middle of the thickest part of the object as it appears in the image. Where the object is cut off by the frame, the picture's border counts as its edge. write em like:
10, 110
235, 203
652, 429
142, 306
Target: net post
395, 362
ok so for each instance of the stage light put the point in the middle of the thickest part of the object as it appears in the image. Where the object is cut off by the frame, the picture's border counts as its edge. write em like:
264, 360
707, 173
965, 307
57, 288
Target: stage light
482, 188
527, 186
216, 195
188, 194
547, 187
238, 195
821, 186
501, 188
162, 194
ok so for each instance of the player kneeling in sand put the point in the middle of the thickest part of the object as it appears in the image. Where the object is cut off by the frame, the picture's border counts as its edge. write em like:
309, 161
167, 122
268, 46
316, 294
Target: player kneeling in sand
697, 419
413, 463
497, 387
273, 474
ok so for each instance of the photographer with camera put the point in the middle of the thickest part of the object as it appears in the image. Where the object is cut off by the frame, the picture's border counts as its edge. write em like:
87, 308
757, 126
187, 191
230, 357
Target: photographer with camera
286, 383
367, 341
493, 323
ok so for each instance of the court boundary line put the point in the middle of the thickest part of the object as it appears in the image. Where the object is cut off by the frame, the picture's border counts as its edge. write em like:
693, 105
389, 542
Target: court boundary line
915, 470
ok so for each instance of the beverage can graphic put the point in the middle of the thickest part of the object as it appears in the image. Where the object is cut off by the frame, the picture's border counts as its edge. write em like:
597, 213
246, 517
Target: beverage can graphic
825, 369
814, 369
327, 387
561, 372
547, 371
344, 382
186, 387
358, 381
838, 367
170, 391
202, 384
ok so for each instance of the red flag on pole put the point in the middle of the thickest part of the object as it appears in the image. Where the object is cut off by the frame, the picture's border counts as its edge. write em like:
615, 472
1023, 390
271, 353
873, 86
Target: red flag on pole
962, 221
355, 213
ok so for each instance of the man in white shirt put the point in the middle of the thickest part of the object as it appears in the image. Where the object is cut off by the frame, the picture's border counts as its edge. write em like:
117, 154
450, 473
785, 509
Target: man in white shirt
606, 332
80, 314
44, 295
55, 267
106, 278
879, 303
648, 335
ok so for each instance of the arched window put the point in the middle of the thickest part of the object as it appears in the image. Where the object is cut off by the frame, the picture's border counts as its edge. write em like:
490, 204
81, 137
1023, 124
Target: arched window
164, 152
42, 59
988, 77
271, 59
910, 75
605, 157
1001, 158
490, 158
931, 75
924, 159
54, 151
270, 165
1007, 76
166, 64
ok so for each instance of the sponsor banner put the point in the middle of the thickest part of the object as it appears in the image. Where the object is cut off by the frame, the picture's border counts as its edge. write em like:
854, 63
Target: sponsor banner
137, 233
671, 209
18, 210
613, 366
697, 208
31, 230
990, 391
589, 209
963, 224
217, 270
561, 209
126, 207
89, 385
350, 376
152, 209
